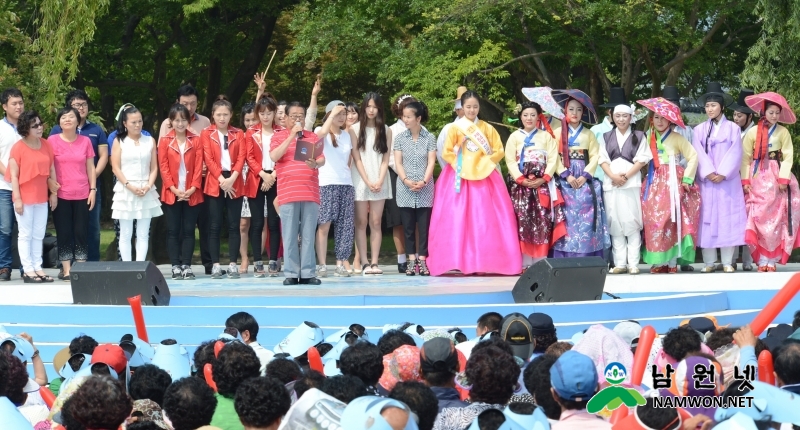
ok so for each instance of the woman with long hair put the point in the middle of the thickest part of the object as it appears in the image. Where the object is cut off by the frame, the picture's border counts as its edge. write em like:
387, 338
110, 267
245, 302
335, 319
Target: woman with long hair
224, 152
337, 195
370, 177
586, 231
474, 229
135, 164
532, 160
773, 197
30, 169
261, 186
415, 157
180, 157
248, 119
670, 199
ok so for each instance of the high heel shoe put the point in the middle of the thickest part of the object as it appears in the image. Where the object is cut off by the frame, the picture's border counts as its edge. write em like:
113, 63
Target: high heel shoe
411, 268
422, 266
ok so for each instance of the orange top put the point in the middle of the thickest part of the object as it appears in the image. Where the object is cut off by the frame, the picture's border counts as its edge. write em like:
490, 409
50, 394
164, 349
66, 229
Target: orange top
34, 169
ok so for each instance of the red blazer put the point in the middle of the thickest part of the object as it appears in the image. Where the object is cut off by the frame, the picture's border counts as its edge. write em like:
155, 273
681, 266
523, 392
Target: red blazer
169, 162
213, 157
255, 156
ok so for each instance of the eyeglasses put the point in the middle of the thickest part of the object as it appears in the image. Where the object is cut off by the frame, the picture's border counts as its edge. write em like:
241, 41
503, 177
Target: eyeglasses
37, 125
297, 117
83, 105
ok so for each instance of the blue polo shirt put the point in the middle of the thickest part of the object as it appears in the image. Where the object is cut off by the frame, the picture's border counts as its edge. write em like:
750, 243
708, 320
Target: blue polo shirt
95, 134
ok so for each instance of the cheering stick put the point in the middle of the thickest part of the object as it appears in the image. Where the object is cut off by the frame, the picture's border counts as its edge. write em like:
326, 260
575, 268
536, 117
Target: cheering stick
776, 305
138, 317
314, 360
270, 62
765, 367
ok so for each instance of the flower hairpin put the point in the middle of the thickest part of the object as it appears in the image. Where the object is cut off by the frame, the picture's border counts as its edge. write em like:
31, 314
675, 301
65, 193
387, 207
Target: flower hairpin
517, 109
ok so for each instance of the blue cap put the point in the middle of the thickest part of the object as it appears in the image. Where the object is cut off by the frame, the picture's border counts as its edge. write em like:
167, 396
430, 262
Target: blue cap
66, 371
174, 359
508, 424
535, 421
11, 418
365, 413
769, 403
22, 348
142, 352
574, 376
300, 339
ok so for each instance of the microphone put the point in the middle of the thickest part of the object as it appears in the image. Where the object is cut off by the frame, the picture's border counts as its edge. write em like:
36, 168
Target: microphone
299, 134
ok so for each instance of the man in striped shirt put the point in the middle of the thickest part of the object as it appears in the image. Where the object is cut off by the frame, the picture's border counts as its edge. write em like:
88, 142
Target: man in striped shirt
298, 198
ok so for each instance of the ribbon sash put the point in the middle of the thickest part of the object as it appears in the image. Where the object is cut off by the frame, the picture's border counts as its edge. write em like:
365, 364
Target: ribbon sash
758, 160
474, 134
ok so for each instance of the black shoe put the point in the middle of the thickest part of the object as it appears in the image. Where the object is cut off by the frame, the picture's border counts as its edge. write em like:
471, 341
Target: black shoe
403, 268
310, 281
290, 281
5, 274
208, 270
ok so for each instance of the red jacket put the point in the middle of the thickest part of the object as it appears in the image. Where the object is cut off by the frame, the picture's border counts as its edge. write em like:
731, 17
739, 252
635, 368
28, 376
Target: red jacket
213, 158
169, 162
255, 157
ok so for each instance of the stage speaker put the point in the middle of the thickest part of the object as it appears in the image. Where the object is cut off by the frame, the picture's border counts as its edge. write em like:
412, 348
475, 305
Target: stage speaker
112, 282
562, 280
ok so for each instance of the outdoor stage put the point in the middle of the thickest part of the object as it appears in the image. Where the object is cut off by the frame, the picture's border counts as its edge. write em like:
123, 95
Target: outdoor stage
198, 308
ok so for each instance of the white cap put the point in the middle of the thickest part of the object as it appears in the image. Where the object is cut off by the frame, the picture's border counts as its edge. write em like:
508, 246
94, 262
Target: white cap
300, 339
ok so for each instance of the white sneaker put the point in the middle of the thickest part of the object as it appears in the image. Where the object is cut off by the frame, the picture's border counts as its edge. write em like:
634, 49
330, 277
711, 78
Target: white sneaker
233, 271
341, 272
322, 271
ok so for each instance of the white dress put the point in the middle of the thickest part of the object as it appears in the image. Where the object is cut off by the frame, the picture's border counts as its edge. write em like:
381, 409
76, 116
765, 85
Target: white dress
135, 165
372, 167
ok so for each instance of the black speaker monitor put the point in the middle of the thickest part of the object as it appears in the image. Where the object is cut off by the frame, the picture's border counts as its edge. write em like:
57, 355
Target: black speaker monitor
562, 280
112, 282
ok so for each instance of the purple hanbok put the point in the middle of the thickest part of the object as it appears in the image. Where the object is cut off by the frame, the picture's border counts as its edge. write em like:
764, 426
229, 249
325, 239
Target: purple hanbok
722, 214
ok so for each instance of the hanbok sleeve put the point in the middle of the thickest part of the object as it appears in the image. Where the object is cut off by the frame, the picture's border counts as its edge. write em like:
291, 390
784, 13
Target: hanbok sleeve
594, 156
643, 154
731, 162
748, 143
553, 159
705, 165
497, 145
561, 169
452, 140
688, 152
602, 156
785, 173
511, 156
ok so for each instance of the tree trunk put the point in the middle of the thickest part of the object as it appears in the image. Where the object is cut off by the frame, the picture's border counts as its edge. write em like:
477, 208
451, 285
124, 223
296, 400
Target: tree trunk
261, 35
214, 83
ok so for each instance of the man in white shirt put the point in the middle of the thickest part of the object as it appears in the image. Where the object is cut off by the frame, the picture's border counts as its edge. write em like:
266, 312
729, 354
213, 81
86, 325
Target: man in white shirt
247, 326
443, 134
13, 105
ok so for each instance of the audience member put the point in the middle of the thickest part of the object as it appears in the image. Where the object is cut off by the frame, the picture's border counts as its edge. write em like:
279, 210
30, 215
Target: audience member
438, 368
574, 381
364, 361
492, 374
558, 348
149, 383
543, 330
344, 387
101, 403
488, 322
247, 326
394, 339
420, 399
261, 403
189, 404
399, 366
681, 341
538, 383
786, 360
236, 363
516, 330
311, 379
284, 370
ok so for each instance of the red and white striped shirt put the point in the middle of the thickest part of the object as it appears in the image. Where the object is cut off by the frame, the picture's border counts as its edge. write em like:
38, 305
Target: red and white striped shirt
296, 181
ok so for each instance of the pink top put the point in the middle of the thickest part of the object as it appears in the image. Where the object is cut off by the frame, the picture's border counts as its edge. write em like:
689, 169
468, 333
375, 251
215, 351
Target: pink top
70, 162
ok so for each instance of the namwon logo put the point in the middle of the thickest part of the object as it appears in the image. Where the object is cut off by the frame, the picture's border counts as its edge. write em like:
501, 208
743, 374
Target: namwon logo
615, 395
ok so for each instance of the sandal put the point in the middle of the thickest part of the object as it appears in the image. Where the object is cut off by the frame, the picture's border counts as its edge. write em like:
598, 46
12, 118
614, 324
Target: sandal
31, 279
411, 268
44, 277
366, 270
423, 268
376, 270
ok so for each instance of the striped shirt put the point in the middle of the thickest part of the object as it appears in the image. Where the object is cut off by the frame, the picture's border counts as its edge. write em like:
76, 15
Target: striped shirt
296, 181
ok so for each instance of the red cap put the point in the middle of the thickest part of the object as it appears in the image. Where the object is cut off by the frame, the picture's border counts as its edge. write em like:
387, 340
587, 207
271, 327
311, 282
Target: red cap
111, 355
631, 422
